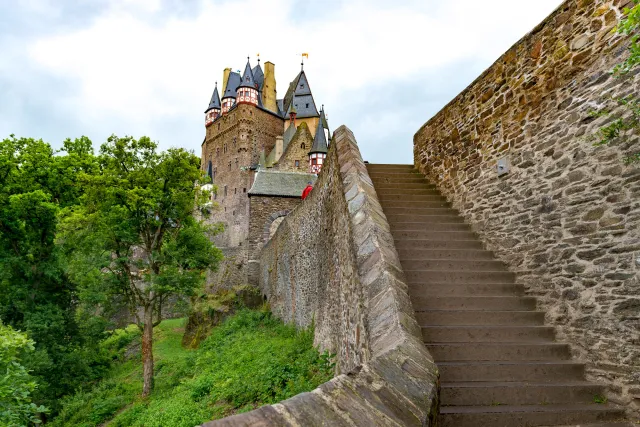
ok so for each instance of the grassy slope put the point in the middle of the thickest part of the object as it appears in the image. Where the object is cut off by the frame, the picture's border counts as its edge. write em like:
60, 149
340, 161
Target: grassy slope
250, 360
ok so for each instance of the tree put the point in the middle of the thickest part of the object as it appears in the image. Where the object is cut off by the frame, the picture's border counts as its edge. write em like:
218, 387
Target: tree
16, 385
135, 235
36, 294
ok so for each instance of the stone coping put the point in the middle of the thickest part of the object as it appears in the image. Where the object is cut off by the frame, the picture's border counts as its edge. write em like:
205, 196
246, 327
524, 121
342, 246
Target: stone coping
398, 385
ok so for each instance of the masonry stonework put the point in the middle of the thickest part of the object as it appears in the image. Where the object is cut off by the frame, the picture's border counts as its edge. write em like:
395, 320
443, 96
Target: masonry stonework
566, 216
233, 144
332, 262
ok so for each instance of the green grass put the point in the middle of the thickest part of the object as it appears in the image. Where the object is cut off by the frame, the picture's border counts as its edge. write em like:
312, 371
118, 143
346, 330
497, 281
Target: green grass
252, 359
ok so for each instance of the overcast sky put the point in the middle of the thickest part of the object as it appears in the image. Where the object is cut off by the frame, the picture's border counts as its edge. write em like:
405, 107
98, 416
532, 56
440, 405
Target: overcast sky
147, 67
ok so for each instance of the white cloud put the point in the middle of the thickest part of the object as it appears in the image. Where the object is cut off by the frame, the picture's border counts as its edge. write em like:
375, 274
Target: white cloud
133, 71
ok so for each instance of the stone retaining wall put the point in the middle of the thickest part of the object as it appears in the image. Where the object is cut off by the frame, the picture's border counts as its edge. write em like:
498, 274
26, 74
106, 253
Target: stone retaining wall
566, 217
333, 262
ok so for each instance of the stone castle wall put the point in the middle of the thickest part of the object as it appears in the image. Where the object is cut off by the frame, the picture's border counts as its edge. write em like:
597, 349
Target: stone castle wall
266, 214
566, 217
332, 262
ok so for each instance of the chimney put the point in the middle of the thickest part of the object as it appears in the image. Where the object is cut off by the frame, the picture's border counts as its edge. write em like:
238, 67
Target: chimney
269, 87
279, 148
225, 79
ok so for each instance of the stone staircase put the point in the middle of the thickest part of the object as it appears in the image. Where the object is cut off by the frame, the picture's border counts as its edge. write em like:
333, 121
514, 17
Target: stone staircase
500, 366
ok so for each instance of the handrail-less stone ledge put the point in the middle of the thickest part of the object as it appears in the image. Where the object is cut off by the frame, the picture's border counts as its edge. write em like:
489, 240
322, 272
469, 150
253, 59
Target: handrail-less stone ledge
333, 263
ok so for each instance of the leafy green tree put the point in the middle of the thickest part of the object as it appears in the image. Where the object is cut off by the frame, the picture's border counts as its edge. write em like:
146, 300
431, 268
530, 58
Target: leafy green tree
35, 293
16, 385
136, 237
630, 121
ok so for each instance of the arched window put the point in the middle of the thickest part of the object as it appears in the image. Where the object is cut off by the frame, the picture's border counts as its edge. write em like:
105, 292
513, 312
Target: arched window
303, 146
210, 170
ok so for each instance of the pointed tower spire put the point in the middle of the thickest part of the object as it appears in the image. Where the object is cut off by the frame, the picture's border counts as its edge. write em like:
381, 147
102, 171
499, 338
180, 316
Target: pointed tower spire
213, 111
318, 151
247, 90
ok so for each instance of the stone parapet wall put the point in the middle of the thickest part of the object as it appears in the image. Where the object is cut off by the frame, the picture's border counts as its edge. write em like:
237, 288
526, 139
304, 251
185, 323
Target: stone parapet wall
332, 262
566, 217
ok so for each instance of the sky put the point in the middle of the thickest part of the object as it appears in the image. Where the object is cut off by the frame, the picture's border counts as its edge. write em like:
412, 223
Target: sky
148, 67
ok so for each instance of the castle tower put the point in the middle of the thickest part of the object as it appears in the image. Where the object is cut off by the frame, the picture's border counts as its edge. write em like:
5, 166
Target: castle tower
229, 97
213, 111
318, 151
248, 89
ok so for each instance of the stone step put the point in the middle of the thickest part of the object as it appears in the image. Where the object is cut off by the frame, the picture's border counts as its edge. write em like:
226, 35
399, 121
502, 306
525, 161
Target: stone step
604, 424
383, 185
391, 211
413, 205
386, 166
535, 371
397, 219
494, 334
526, 415
407, 252
510, 393
478, 303
451, 352
430, 226
383, 192
432, 235
398, 177
465, 289
391, 197
430, 244
457, 276
450, 265
476, 317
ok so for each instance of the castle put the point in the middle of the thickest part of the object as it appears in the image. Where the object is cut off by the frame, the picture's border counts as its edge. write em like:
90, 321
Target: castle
260, 152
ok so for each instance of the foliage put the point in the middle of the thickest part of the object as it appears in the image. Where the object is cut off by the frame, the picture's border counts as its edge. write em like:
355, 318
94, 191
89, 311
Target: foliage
252, 359
630, 120
135, 236
629, 26
16, 385
36, 294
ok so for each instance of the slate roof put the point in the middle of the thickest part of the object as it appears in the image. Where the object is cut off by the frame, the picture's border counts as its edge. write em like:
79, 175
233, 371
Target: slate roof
280, 184
280, 104
258, 76
247, 77
232, 85
319, 141
215, 100
323, 119
288, 136
305, 106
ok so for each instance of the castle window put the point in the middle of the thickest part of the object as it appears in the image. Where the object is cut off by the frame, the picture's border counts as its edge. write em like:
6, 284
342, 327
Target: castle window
217, 151
307, 105
301, 85
297, 163
302, 146
225, 195
229, 165
235, 191
244, 190
215, 172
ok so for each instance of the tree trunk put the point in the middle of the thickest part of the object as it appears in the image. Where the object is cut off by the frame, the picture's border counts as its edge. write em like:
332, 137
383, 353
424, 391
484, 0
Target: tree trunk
147, 351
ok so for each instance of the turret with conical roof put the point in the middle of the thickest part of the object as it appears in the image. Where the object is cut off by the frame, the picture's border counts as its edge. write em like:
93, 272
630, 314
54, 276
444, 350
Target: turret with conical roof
318, 151
229, 96
213, 111
247, 90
